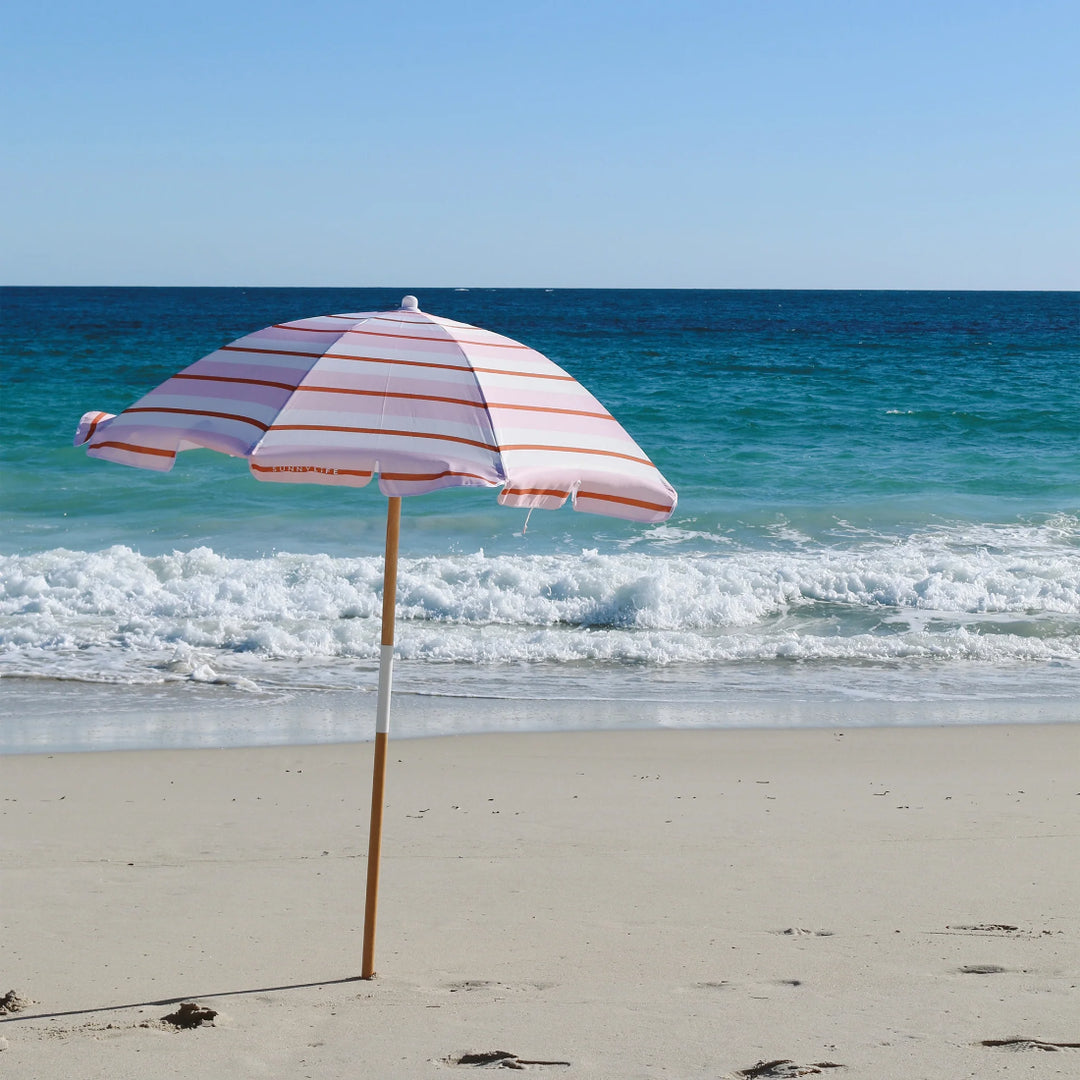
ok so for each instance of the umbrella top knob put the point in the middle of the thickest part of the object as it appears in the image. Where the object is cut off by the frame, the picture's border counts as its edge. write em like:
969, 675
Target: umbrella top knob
410, 303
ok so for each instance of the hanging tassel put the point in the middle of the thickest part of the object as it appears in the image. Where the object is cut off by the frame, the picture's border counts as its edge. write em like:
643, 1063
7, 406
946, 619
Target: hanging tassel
525, 527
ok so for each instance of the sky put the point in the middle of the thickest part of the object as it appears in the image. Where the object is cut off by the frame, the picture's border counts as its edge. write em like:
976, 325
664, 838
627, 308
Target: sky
542, 143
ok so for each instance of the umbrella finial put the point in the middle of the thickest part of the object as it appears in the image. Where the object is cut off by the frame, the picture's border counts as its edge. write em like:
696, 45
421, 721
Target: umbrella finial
410, 303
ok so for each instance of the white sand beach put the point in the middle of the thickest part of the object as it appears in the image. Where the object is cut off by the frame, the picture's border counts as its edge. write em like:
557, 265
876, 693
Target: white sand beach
870, 903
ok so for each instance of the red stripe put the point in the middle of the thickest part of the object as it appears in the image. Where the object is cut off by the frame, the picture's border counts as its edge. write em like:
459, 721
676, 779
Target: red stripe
451, 340
308, 468
400, 363
459, 439
94, 425
579, 450
270, 352
135, 449
450, 367
232, 379
386, 431
407, 337
443, 323
431, 476
312, 329
203, 412
388, 394
536, 491
661, 507
387, 318
552, 409
449, 400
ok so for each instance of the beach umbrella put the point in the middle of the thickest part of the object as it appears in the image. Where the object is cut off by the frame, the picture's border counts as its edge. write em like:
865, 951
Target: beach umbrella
420, 401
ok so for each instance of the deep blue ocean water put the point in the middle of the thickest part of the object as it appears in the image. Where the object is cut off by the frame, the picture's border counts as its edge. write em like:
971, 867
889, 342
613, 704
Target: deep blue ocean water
879, 496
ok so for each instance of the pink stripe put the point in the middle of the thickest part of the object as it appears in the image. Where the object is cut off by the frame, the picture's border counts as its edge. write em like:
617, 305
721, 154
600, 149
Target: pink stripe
260, 396
457, 399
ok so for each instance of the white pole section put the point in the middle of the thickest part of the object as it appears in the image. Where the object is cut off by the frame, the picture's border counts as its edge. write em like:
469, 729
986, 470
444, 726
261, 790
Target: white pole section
382, 731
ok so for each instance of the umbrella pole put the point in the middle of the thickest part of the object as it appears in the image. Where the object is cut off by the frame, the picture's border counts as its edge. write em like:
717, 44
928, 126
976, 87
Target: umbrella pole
382, 732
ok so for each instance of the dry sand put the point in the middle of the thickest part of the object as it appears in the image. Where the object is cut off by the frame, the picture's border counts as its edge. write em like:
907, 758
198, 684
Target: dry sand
635, 904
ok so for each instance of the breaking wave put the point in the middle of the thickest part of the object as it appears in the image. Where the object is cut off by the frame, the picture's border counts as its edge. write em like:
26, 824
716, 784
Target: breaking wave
979, 594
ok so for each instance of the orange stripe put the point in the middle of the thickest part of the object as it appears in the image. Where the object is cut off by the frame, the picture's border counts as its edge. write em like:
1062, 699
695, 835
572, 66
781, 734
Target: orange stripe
400, 363
270, 352
387, 318
387, 431
388, 394
536, 491
579, 450
308, 468
203, 412
93, 426
406, 337
232, 379
450, 367
135, 449
431, 476
450, 340
552, 409
444, 323
446, 400
661, 507
311, 329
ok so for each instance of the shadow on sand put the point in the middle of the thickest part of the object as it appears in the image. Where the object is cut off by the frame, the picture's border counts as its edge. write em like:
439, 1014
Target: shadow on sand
15, 1017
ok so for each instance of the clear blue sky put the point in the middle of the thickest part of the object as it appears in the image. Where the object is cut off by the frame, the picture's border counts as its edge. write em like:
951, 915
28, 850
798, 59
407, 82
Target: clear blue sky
686, 143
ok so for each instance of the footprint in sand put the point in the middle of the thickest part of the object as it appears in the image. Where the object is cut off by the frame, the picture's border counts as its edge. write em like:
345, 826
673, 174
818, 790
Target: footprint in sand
758, 991
499, 1059
1020, 1042
1005, 930
475, 985
784, 1068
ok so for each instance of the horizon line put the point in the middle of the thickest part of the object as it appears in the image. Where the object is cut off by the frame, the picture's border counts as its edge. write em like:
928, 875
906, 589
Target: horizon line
571, 288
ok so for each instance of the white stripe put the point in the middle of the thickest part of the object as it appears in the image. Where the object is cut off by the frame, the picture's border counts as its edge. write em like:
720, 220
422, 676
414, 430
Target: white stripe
386, 678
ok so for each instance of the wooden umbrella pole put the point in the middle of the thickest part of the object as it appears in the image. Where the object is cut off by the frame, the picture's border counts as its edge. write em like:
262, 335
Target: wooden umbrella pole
382, 732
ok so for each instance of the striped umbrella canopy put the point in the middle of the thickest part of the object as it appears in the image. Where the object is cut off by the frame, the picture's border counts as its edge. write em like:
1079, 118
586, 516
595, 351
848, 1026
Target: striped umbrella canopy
420, 401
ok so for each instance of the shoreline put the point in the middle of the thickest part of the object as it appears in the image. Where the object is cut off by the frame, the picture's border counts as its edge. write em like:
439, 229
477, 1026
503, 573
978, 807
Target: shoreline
673, 903
45, 716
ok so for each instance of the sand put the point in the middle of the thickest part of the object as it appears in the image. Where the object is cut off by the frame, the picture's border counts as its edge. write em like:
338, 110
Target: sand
875, 903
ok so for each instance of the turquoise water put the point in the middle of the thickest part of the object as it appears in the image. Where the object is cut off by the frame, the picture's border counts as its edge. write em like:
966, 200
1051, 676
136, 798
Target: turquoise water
879, 495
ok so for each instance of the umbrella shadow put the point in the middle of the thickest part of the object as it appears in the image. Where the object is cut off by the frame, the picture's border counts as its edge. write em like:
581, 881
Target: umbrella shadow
15, 1017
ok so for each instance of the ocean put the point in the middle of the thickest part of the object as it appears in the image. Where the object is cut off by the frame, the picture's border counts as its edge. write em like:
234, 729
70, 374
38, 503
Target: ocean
879, 505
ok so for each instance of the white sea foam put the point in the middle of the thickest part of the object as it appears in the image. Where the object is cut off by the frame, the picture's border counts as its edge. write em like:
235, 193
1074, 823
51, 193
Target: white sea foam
986, 595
